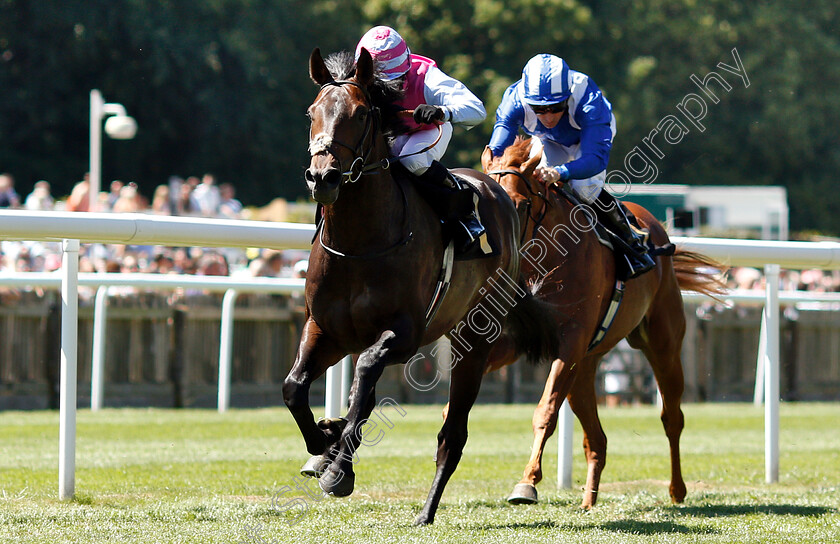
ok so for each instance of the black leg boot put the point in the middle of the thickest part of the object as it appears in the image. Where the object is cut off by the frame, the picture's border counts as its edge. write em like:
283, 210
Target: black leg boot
639, 259
459, 212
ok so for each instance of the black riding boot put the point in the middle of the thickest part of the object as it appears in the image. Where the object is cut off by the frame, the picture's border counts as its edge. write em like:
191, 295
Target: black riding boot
461, 216
639, 260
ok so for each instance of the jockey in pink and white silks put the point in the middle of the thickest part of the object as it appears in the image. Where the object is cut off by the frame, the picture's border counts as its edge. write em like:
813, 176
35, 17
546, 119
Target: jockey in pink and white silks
437, 99
573, 122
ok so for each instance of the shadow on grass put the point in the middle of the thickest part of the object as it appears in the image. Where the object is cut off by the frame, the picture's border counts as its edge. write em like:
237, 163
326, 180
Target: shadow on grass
629, 526
723, 510
619, 526
538, 524
651, 527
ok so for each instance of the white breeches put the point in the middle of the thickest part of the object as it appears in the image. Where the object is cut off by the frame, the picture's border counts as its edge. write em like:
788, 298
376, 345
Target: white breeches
554, 154
411, 143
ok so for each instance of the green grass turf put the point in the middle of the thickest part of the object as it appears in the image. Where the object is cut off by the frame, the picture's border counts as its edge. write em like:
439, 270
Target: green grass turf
184, 476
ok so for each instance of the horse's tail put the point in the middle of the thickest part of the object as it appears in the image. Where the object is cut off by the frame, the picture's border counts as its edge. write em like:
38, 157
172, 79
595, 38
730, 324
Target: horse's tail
532, 324
696, 272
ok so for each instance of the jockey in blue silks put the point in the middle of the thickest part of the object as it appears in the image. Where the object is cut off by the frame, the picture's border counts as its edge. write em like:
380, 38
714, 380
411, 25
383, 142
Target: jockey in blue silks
573, 122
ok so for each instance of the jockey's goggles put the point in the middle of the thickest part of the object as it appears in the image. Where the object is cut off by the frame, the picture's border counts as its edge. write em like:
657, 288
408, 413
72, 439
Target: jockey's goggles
550, 108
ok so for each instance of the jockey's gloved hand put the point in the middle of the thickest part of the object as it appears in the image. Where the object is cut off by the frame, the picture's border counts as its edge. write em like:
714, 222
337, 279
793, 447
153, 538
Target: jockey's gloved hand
552, 174
428, 114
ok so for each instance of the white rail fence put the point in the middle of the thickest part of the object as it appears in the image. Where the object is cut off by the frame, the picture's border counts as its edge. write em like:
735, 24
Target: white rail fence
138, 229
771, 256
231, 287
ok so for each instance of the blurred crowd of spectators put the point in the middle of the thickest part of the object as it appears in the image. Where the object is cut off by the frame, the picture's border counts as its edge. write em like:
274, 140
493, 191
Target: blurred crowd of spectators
189, 197
818, 281
184, 197
203, 197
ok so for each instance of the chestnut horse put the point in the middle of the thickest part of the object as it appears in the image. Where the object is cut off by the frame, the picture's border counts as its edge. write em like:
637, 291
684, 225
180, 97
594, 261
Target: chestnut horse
373, 271
579, 276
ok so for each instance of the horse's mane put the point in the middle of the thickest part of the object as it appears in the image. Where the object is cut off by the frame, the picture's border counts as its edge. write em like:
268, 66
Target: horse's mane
385, 94
518, 152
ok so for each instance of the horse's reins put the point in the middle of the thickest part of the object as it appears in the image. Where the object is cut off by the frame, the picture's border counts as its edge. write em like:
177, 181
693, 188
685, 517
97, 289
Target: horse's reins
543, 209
352, 175
618, 290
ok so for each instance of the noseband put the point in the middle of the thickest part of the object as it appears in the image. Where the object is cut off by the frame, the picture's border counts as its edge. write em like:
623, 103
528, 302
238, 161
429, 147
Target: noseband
359, 165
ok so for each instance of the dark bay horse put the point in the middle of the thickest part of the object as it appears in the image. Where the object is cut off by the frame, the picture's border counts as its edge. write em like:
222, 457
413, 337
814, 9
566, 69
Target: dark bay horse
579, 275
373, 270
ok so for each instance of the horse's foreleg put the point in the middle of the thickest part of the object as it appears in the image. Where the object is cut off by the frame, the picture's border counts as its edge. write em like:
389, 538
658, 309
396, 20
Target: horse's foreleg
316, 354
464, 384
393, 346
544, 423
584, 404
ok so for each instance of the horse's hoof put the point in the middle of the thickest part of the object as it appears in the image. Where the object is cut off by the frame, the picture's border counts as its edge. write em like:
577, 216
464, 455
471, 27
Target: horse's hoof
332, 427
338, 484
327, 422
423, 519
677, 493
315, 466
523, 494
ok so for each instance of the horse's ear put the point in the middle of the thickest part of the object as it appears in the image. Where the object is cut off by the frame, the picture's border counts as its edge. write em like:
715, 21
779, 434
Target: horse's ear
486, 158
529, 165
317, 69
364, 68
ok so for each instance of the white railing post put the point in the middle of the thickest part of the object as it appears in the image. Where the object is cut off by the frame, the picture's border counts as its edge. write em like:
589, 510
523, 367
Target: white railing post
771, 376
226, 349
346, 380
332, 402
565, 433
69, 353
97, 363
761, 360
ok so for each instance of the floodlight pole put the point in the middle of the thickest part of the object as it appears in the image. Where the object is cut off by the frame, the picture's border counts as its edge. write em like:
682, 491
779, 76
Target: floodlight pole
98, 111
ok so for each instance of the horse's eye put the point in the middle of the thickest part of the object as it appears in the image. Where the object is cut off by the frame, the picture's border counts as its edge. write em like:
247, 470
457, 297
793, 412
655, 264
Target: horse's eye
362, 115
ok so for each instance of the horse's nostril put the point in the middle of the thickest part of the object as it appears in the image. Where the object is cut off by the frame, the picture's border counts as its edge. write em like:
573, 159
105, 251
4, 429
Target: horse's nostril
332, 177
309, 176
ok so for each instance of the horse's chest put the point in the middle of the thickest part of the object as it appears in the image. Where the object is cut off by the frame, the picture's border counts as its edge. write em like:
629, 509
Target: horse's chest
354, 313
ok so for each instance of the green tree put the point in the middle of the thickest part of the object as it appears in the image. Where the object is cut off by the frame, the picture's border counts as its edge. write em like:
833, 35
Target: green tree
222, 85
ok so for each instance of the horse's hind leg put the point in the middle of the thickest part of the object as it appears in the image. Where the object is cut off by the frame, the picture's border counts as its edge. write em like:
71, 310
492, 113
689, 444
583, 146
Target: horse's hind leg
584, 404
464, 384
662, 349
502, 355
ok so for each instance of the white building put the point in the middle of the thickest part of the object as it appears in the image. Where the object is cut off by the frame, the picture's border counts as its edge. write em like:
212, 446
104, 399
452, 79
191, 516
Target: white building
752, 211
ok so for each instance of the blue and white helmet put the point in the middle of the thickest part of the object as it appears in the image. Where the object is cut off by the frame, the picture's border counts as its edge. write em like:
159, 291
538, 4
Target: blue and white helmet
545, 80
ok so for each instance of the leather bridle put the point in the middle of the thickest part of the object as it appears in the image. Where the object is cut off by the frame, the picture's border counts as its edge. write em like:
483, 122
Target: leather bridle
360, 164
530, 205
360, 160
